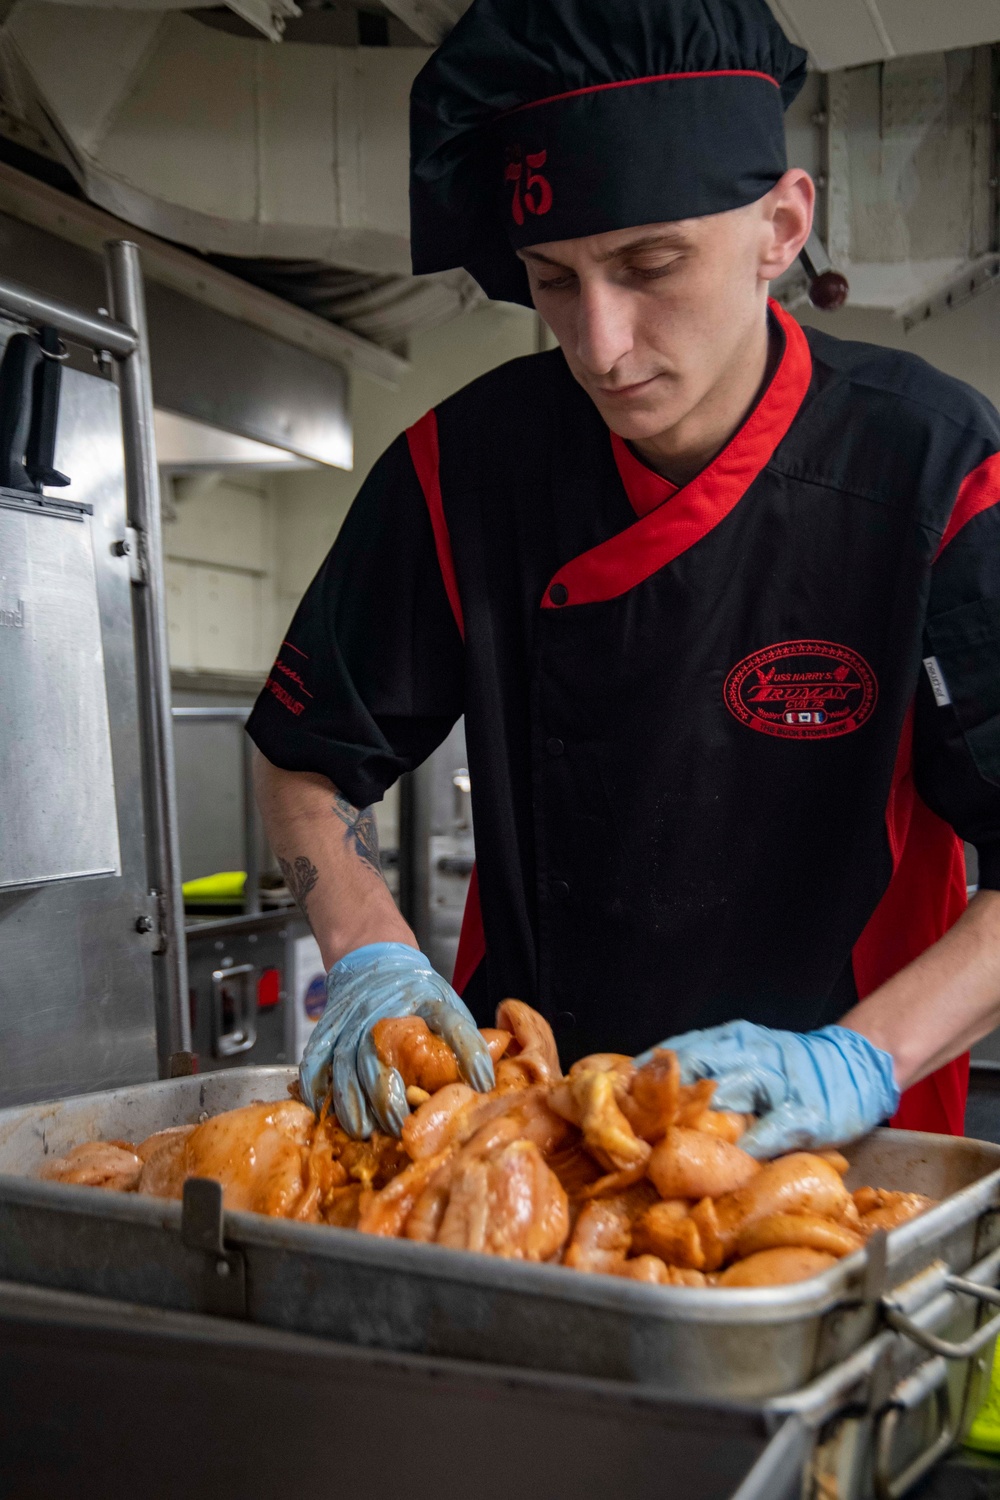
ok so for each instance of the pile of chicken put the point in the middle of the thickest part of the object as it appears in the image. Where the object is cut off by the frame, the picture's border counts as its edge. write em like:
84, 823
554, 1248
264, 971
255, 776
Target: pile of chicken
612, 1168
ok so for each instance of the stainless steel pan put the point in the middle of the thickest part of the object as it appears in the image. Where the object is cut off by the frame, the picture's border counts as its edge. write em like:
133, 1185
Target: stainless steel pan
424, 1299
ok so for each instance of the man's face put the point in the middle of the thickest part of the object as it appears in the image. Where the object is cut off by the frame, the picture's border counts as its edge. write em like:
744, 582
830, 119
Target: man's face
652, 319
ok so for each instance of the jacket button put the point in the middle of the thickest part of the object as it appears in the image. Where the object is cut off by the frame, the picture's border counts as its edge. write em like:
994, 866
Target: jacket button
565, 1019
558, 593
559, 890
554, 746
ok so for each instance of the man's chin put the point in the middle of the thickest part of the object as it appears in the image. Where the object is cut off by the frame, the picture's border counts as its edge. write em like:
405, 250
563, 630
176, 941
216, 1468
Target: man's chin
642, 422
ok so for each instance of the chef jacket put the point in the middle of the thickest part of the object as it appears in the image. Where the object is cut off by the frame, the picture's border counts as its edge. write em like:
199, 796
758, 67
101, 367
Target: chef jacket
724, 740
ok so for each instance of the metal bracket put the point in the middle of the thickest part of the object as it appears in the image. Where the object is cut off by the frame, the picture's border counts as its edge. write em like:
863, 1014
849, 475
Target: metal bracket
980, 276
130, 546
928, 1382
224, 1279
898, 1320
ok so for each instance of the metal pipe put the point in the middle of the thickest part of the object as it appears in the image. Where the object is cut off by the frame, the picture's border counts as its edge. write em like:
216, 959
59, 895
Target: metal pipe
251, 845
142, 494
237, 714
89, 329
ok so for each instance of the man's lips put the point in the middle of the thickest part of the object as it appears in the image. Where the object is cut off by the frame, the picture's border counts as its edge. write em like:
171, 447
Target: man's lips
625, 392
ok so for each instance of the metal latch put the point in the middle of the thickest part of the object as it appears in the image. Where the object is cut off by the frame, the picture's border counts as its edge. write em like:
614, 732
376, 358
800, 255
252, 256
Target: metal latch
224, 1277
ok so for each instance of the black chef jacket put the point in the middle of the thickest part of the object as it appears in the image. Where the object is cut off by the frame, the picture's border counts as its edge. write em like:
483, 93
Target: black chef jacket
724, 741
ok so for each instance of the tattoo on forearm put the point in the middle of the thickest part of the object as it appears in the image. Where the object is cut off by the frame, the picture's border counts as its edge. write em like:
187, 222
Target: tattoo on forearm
300, 877
360, 830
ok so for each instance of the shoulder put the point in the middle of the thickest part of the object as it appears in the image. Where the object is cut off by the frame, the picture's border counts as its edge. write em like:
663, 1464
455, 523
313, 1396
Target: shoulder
917, 392
886, 426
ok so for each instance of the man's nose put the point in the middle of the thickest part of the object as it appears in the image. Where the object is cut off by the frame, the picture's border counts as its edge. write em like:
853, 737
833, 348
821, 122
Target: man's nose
603, 329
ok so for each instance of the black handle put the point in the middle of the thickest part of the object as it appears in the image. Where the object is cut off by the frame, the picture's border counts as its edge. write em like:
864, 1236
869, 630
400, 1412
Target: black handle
41, 450
17, 372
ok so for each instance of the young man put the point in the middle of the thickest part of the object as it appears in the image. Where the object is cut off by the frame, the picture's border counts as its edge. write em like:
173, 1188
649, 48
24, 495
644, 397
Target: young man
720, 602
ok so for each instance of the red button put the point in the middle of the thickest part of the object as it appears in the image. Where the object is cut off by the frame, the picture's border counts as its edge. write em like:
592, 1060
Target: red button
269, 989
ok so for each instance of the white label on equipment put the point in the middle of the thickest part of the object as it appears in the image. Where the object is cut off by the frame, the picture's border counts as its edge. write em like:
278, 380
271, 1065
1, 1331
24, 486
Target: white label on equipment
939, 687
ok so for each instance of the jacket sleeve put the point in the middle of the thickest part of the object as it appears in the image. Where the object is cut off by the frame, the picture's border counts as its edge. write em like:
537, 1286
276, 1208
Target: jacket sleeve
957, 716
369, 678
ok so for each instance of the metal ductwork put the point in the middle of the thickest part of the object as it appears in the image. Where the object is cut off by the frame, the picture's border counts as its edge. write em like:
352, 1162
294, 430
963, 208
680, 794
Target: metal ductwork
292, 155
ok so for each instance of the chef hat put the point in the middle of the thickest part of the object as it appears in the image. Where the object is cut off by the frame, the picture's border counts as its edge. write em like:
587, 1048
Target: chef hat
541, 120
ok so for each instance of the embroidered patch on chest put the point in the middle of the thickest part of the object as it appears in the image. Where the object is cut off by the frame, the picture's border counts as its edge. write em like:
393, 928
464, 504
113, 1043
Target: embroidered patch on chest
802, 690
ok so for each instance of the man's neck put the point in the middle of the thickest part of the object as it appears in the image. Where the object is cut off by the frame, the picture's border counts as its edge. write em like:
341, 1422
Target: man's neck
682, 451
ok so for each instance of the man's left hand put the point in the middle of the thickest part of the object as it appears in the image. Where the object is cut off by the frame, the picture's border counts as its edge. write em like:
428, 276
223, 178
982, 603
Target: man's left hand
810, 1089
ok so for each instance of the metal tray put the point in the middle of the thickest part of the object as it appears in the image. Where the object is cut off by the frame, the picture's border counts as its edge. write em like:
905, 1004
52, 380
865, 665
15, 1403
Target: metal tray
418, 1298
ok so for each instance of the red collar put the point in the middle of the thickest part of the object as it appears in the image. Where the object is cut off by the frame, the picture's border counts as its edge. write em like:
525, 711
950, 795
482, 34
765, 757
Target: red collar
663, 533
644, 487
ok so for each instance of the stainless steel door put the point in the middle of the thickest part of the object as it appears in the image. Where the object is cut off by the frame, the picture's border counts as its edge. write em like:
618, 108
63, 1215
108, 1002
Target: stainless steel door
76, 987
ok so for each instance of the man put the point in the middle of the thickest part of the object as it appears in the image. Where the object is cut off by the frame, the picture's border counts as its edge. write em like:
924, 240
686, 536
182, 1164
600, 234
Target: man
720, 602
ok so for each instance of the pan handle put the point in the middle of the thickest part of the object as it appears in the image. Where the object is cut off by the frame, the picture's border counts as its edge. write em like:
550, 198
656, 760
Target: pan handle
928, 1382
945, 1347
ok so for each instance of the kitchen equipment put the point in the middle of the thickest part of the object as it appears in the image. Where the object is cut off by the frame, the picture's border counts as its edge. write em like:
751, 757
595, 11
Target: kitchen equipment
425, 1299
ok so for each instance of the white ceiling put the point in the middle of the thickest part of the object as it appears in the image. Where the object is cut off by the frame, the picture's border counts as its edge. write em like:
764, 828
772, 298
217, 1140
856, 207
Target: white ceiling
842, 33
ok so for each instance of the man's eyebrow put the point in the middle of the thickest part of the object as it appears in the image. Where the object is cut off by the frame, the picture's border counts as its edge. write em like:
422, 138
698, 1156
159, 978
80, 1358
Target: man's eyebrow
671, 240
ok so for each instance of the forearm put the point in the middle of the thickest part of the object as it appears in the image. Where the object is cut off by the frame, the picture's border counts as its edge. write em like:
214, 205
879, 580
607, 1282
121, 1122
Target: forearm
328, 852
943, 1002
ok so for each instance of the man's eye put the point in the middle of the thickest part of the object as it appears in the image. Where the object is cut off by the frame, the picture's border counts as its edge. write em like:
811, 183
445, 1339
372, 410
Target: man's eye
554, 283
652, 273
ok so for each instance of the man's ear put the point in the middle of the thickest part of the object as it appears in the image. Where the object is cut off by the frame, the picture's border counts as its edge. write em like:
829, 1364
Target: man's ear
788, 211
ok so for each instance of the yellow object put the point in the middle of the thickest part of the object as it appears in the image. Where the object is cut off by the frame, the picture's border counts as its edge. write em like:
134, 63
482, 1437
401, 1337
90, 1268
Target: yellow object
228, 885
985, 1430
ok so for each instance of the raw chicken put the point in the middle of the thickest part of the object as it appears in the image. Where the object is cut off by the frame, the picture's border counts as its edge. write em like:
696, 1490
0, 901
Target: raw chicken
776, 1267
881, 1209
96, 1164
618, 1170
694, 1164
423, 1060
507, 1204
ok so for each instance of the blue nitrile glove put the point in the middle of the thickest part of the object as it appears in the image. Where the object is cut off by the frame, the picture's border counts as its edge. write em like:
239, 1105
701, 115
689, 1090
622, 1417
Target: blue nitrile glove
380, 980
811, 1089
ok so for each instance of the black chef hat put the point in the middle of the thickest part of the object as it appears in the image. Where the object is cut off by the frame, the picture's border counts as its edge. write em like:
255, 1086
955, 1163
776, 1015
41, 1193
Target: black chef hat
545, 120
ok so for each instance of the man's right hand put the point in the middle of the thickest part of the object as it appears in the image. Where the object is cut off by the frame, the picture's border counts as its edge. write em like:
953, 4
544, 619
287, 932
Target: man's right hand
368, 985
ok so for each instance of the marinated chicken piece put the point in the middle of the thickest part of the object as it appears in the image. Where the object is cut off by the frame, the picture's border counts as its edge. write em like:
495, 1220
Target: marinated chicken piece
776, 1268
385, 1212
373, 1162
95, 1164
588, 1098
615, 1182
667, 1230
532, 1048
602, 1234
256, 1153
693, 1164
804, 1231
693, 1100
653, 1096
423, 1060
424, 1220
342, 1208
407, 1044
153, 1143
507, 1204
837, 1160
799, 1183
165, 1169
881, 1209
437, 1123
576, 1169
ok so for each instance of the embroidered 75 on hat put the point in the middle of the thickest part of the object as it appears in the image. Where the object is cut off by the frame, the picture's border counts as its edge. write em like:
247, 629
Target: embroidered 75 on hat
544, 120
